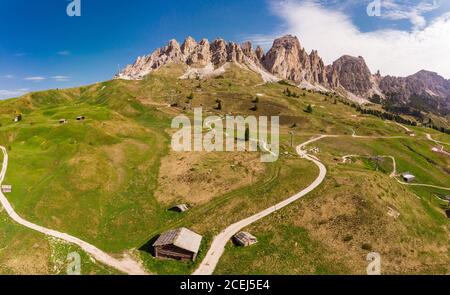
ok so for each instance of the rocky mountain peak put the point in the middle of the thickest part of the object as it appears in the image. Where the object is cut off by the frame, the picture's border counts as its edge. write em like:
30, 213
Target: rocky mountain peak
259, 53
173, 45
287, 60
353, 74
247, 47
287, 42
254, 55
421, 84
189, 45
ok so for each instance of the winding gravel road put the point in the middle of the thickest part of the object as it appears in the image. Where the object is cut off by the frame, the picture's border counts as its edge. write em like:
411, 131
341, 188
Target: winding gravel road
217, 248
126, 265
394, 172
209, 263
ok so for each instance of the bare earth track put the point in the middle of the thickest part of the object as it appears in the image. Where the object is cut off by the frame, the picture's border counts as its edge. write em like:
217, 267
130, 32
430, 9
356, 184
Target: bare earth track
126, 265
209, 263
217, 248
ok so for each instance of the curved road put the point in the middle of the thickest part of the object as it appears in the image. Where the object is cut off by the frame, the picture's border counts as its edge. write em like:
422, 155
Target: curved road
126, 265
394, 172
435, 141
217, 248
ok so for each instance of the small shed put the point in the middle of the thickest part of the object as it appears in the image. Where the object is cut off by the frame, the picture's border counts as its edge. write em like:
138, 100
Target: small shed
17, 118
179, 244
408, 177
447, 198
244, 239
6, 188
81, 118
180, 208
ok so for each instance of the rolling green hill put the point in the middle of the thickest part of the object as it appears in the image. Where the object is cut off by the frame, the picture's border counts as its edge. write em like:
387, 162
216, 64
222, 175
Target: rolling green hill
100, 179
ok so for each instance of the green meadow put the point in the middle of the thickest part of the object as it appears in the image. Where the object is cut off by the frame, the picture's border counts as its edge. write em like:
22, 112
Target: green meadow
96, 179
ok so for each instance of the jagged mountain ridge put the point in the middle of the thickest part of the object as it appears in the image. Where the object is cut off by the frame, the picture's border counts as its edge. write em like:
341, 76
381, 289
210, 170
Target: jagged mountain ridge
288, 60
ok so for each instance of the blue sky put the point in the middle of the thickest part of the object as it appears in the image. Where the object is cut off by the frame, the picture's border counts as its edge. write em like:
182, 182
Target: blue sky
42, 47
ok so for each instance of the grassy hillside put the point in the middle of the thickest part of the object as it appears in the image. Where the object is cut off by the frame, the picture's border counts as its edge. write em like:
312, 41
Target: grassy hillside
108, 179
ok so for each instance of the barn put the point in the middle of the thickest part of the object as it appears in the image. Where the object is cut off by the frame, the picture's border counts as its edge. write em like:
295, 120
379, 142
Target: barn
179, 244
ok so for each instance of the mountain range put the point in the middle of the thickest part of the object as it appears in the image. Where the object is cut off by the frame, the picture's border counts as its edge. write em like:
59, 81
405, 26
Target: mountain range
288, 60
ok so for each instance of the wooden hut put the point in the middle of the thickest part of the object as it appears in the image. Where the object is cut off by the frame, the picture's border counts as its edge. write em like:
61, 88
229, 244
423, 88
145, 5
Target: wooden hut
408, 177
6, 188
244, 239
180, 208
179, 244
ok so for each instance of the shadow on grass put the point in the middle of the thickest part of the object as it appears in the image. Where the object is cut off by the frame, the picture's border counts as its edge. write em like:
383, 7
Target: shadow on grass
148, 247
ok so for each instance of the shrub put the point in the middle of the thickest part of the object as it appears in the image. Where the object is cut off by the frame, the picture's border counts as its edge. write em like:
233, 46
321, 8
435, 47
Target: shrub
309, 109
347, 238
219, 105
367, 247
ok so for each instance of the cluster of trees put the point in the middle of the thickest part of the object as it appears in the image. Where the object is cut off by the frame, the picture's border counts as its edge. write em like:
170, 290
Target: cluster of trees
293, 94
380, 114
430, 124
441, 129
386, 116
418, 104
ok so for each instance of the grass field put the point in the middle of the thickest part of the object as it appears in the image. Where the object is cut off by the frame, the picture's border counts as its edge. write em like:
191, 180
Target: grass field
108, 179
23, 251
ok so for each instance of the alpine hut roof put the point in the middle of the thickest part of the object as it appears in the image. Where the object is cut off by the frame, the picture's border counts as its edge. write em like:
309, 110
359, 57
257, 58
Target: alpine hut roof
182, 238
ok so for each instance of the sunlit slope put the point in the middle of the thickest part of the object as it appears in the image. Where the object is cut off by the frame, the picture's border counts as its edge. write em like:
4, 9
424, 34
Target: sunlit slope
106, 179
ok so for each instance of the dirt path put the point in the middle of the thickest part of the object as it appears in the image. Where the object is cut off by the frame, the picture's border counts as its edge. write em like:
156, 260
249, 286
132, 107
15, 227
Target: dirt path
435, 141
126, 265
376, 137
217, 248
440, 144
404, 127
394, 167
394, 172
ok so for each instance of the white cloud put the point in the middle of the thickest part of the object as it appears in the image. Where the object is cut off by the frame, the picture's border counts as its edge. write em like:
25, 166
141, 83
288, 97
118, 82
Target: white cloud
35, 79
9, 76
61, 78
12, 93
414, 13
394, 52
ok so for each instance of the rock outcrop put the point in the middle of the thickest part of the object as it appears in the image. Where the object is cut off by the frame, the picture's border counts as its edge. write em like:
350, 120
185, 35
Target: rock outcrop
288, 60
196, 55
426, 89
352, 74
